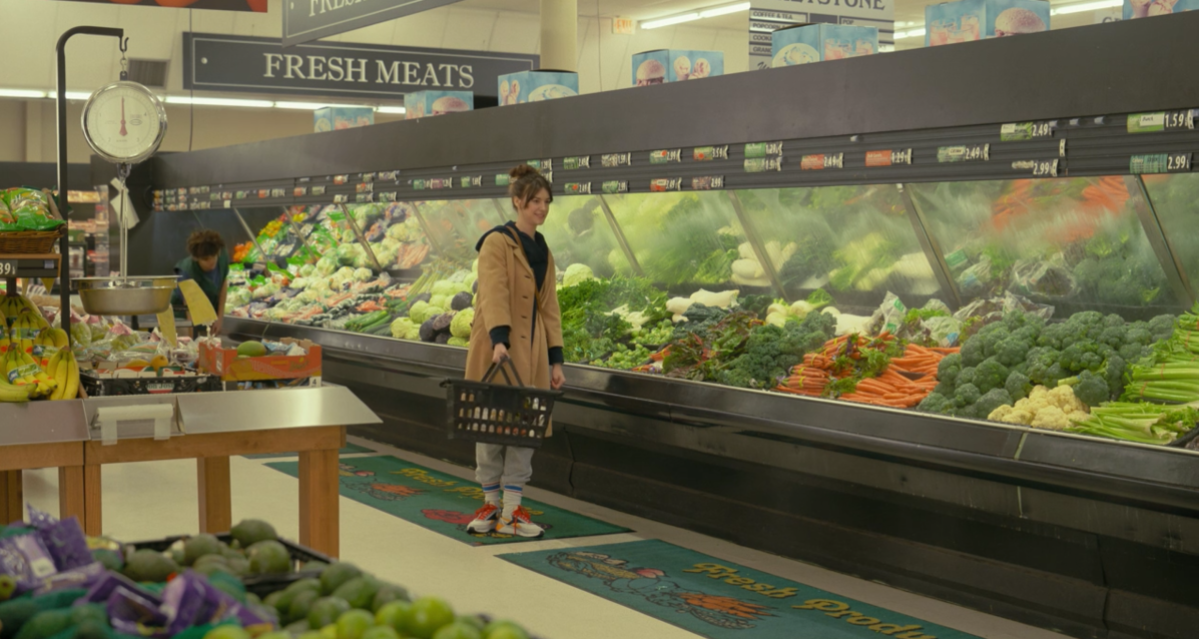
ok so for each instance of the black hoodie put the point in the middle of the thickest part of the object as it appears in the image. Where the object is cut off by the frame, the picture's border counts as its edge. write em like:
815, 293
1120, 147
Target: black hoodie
538, 254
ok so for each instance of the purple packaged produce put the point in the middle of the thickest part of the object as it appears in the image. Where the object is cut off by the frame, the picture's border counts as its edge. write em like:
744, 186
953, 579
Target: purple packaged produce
103, 588
26, 559
64, 539
138, 613
83, 577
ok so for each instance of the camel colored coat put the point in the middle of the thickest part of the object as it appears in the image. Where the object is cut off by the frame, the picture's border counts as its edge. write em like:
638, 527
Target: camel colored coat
505, 298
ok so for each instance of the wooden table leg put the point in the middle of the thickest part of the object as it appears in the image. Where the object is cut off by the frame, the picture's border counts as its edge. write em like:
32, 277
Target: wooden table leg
70, 493
12, 497
216, 504
92, 488
320, 505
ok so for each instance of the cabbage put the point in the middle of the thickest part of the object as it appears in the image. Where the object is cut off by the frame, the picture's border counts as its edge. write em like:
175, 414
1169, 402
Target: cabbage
459, 341
403, 327
440, 301
470, 280
363, 275
444, 287
460, 325
421, 311
577, 272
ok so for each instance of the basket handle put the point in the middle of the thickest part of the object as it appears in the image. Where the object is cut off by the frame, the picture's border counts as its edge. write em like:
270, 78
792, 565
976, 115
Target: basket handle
500, 368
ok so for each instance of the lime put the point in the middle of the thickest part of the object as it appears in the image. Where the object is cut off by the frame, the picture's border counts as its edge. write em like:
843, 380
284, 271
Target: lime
359, 591
329, 631
504, 630
311, 634
227, 631
380, 632
458, 630
352, 624
278, 634
301, 604
472, 620
283, 603
426, 616
392, 614
326, 610
387, 594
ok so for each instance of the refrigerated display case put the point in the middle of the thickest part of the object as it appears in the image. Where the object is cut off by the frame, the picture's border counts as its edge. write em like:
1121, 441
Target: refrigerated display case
927, 199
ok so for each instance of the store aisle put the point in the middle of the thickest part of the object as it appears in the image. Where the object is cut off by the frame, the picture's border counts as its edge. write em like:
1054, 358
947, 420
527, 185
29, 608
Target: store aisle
152, 500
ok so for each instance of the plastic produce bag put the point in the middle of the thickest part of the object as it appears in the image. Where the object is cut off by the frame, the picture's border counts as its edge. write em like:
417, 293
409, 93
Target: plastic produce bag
31, 209
889, 316
7, 221
1035, 277
26, 559
64, 539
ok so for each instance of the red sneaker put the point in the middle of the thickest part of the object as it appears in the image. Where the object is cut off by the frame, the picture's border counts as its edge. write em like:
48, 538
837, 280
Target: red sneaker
485, 518
520, 525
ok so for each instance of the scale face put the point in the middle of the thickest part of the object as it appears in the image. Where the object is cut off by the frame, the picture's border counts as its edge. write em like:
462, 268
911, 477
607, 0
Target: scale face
124, 122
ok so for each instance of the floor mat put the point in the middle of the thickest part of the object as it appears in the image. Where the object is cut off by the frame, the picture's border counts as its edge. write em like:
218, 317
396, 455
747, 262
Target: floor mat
720, 599
443, 503
350, 449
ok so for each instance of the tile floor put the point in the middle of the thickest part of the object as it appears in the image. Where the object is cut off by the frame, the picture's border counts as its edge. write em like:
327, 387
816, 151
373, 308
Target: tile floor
157, 499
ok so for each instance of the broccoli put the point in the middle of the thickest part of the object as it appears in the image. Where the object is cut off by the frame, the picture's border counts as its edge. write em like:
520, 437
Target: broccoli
771, 351
990, 374
1133, 352
1138, 333
1055, 335
993, 399
1161, 327
973, 353
1012, 350
966, 395
1089, 388
1017, 386
967, 376
944, 388
1113, 372
936, 403
948, 369
993, 335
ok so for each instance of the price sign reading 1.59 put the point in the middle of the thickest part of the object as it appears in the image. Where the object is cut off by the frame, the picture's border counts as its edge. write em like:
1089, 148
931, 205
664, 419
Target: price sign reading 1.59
8, 268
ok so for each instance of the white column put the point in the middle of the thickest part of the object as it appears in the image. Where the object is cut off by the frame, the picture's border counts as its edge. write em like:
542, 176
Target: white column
560, 35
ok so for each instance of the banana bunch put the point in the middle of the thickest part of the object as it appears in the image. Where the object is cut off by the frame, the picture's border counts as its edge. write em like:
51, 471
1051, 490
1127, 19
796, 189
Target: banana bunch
10, 393
21, 370
25, 330
47, 344
64, 370
13, 305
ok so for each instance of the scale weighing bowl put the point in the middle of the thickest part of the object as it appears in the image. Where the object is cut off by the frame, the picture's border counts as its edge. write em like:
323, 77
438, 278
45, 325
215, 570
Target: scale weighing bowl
127, 295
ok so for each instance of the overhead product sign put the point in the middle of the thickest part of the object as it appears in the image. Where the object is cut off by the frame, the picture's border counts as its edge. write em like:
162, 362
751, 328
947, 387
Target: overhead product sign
307, 20
214, 62
765, 16
258, 6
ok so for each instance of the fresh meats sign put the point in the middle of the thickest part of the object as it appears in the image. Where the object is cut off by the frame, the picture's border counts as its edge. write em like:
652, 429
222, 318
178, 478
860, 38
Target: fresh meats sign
261, 65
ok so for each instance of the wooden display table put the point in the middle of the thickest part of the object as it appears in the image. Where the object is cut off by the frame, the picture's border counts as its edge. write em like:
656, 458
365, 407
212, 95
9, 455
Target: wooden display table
211, 427
42, 435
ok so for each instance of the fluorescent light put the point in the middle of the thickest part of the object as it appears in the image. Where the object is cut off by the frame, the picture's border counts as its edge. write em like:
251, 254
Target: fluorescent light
313, 106
914, 33
723, 11
180, 99
666, 22
74, 95
21, 93
1087, 6
399, 110
886, 48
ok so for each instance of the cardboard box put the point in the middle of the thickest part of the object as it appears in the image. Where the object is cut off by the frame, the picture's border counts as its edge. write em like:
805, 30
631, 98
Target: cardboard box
225, 363
419, 104
535, 86
806, 43
968, 20
1148, 8
675, 65
334, 118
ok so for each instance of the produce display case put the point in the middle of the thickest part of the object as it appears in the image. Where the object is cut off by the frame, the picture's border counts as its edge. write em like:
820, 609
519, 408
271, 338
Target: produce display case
964, 219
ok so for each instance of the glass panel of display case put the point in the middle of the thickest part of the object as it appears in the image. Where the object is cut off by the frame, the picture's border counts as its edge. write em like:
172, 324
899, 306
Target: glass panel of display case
454, 226
1075, 243
1175, 198
684, 241
578, 232
856, 242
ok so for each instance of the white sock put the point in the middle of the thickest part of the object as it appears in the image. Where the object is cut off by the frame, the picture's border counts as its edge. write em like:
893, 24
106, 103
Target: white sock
491, 495
511, 501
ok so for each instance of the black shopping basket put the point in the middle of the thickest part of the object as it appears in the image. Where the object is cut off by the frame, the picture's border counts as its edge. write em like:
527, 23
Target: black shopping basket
496, 413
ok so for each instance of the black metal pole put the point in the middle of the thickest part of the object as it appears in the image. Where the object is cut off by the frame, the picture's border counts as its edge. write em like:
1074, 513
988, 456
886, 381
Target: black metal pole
64, 274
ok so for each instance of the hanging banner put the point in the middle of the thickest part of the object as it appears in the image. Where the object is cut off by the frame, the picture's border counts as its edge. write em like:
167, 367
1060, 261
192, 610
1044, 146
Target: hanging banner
214, 62
307, 20
257, 6
765, 16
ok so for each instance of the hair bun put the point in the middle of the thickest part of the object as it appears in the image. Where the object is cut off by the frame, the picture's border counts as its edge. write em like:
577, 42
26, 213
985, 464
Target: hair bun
523, 171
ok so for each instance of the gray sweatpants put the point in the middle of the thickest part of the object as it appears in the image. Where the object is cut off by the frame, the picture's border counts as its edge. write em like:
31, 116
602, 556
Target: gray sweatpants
508, 466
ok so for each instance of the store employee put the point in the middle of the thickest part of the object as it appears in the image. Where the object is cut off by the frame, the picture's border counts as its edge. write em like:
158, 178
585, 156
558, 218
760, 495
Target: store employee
208, 265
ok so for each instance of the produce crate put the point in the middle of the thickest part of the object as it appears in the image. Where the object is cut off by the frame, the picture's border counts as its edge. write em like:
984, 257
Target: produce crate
261, 585
225, 363
30, 242
109, 386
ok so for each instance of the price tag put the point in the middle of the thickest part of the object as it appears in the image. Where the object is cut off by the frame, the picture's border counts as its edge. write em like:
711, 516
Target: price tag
1159, 163
965, 153
1018, 131
1184, 119
8, 268
1038, 168
1181, 120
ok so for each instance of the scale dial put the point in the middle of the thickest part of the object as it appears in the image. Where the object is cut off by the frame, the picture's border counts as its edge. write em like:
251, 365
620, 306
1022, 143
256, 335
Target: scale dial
124, 122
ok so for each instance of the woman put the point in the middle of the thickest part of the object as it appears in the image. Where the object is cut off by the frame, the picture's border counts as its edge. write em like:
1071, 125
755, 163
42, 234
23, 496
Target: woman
516, 316
208, 265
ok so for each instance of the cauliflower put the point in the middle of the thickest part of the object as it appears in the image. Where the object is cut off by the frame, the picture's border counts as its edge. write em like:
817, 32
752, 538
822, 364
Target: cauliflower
1050, 417
1043, 408
577, 272
460, 325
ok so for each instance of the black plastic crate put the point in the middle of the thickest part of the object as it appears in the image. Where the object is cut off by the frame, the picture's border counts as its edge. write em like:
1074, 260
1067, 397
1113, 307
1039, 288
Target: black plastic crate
261, 585
112, 386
